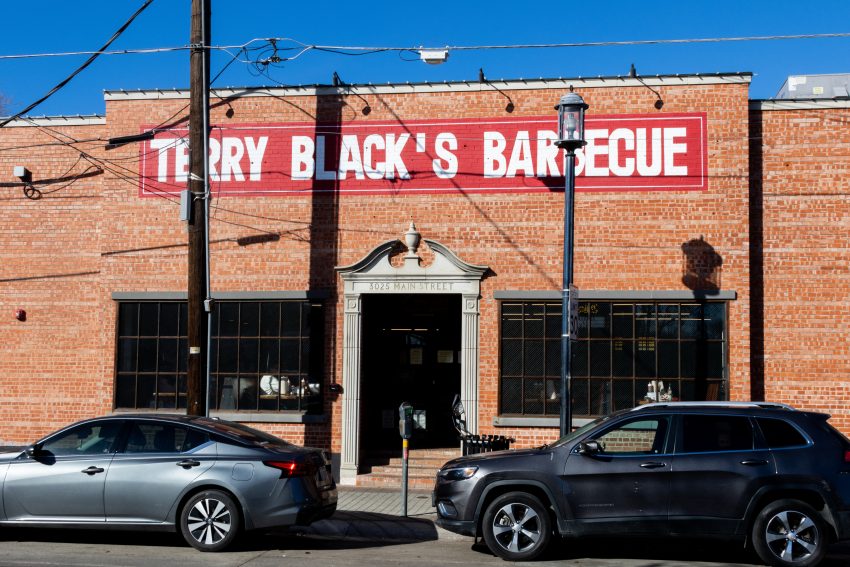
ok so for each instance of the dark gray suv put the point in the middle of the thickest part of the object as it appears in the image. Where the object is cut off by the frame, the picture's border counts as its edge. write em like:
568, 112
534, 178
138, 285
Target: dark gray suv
771, 476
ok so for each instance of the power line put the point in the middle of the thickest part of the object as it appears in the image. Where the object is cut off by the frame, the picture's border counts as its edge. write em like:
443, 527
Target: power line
367, 50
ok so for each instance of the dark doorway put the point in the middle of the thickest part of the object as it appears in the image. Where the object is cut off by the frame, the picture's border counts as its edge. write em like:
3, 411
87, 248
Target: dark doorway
410, 352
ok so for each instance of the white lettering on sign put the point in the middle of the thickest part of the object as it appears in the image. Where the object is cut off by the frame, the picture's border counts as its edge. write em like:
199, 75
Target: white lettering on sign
227, 158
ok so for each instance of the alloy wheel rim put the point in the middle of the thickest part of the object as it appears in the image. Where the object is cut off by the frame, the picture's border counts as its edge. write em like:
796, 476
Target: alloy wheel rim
209, 521
516, 527
792, 536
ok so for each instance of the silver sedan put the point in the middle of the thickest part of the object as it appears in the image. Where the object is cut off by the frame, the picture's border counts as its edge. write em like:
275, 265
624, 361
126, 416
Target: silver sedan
208, 478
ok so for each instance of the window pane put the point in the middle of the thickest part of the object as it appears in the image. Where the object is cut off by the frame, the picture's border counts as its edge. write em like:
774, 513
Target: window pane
269, 356
269, 319
645, 358
600, 358
715, 320
553, 321
84, 439
128, 319
553, 358
534, 327
623, 396
167, 355
511, 357
533, 393
145, 386
709, 433
779, 433
249, 352
511, 395
169, 319
668, 321
228, 319
646, 436
579, 397
290, 314
692, 322
289, 355
249, 319
147, 355
645, 320
148, 319
668, 359
533, 358
125, 391
227, 353
127, 351
714, 360
579, 354
600, 320
623, 359
622, 320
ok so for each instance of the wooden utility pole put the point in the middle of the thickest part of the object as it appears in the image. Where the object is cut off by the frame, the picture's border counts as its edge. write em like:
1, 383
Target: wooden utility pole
196, 369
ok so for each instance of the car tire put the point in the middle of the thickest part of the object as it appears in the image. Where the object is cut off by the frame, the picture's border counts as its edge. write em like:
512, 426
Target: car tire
789, 533
517, 527
210, 520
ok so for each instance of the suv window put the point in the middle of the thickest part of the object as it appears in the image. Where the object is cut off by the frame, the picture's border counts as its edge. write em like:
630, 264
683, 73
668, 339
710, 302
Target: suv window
644, 436
779, 433
710, 433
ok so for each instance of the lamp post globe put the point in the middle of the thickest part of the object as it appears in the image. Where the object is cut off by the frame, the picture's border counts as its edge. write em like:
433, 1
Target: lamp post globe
570, 109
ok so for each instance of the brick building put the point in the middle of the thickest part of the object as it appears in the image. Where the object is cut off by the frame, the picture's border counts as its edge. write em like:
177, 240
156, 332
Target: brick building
710, 253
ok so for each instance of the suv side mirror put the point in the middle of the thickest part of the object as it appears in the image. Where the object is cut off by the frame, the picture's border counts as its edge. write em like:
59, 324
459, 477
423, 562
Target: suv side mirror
589, 447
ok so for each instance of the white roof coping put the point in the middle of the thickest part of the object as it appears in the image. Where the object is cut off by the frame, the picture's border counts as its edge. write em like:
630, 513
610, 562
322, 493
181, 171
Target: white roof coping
799, 104
78, 120
454, 86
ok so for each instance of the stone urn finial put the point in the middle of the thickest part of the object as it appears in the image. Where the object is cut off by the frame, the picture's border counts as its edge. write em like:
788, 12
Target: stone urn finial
411, 240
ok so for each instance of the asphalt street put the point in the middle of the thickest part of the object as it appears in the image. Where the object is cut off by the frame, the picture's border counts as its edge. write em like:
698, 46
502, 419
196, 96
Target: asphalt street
34, 548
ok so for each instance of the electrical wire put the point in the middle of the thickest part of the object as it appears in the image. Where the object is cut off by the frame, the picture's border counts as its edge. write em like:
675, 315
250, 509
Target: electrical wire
79, 69
366, 50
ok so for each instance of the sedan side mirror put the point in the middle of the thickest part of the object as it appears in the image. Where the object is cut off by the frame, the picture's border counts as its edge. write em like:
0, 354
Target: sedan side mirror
589, 447
33, 451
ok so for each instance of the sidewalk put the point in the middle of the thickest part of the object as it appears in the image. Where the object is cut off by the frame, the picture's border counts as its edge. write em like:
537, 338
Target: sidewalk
368, 513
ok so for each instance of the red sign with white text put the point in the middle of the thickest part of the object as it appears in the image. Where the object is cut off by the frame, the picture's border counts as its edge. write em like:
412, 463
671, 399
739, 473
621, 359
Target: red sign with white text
660, 152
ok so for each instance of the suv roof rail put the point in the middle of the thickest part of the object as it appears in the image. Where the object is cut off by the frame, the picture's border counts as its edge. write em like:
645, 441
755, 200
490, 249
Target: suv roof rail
767, 405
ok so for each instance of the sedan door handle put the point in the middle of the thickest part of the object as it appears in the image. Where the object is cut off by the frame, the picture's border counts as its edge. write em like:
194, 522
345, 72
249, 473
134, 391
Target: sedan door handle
189, 463
92, 470
754, 462
652, 465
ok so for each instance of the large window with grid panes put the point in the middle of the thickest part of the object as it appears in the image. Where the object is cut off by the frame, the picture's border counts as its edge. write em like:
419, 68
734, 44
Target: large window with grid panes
264, 355
627, 353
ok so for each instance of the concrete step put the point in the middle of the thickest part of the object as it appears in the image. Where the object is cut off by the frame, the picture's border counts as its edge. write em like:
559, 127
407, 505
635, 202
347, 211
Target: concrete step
384, 480
383, 470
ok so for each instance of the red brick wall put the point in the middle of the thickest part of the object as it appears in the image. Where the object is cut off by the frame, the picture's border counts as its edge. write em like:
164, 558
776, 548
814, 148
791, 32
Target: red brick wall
58, 365
801, 188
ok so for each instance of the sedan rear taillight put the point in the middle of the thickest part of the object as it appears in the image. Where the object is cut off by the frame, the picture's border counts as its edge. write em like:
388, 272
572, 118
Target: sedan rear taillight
290, 469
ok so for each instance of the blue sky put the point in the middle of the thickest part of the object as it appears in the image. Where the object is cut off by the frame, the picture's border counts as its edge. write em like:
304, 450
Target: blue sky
46, 26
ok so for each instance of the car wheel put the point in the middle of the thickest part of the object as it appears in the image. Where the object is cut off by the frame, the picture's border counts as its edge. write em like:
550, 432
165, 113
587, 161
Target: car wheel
517, 527
210, 521
789, 533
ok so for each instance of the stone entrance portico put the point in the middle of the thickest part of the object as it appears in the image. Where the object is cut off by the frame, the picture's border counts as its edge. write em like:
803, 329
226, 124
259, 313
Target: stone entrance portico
374, 274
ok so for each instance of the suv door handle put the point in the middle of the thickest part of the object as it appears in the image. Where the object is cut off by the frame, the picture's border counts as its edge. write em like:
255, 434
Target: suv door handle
754, 462
652, 465
188, 463
92, 470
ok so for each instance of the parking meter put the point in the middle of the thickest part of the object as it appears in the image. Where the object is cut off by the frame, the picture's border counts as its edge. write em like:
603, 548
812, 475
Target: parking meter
405, 429
405, 420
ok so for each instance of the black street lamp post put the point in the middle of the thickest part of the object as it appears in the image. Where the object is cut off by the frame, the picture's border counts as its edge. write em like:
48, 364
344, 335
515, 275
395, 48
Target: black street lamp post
571, 109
